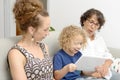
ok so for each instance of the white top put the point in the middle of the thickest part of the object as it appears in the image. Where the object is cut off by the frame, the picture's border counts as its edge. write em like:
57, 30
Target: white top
96, 48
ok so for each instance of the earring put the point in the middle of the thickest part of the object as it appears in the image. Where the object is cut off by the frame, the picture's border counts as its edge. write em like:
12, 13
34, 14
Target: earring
32, 38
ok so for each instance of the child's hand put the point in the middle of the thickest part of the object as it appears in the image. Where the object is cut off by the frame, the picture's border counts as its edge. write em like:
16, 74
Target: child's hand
71, 67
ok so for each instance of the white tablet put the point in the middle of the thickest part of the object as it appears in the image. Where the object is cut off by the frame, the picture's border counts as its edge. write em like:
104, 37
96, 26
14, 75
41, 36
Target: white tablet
88, 63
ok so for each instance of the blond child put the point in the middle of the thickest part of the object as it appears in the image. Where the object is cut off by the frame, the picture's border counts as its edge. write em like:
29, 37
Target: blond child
71, 39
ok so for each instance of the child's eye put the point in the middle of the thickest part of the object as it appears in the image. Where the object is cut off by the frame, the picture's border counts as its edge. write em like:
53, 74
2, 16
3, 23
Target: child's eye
77, 43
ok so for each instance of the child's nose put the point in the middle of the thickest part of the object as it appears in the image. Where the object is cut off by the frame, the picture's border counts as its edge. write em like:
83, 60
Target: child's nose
79, 47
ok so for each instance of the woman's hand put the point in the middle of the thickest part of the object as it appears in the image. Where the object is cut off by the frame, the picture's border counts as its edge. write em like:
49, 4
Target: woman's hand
103, 70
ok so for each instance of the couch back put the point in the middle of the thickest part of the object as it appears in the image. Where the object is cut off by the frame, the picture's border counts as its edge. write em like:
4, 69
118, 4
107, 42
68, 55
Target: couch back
51, 41
5, 45
115, 52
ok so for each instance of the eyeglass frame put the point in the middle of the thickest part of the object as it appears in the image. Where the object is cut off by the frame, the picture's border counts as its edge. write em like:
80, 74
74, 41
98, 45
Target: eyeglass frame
93, 23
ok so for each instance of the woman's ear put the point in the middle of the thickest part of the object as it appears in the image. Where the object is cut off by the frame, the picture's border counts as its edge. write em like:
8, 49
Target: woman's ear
31, 30
85, 22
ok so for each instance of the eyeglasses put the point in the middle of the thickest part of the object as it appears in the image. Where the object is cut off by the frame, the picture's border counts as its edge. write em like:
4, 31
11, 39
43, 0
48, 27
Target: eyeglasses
93, 23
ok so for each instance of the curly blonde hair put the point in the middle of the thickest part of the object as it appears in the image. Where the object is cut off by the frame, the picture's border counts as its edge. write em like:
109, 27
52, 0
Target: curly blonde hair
26, 12
68, 34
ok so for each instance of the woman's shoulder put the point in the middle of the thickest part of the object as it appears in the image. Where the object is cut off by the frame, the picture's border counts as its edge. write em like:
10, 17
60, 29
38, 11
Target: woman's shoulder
98, 36
15, 57
14, 53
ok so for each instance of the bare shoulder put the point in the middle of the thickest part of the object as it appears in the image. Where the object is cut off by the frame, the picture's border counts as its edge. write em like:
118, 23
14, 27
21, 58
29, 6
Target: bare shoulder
14, 53
17, 62
15, 56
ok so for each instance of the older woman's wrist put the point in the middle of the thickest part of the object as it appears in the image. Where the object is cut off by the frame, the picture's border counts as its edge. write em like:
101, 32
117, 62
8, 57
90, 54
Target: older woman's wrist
108, 63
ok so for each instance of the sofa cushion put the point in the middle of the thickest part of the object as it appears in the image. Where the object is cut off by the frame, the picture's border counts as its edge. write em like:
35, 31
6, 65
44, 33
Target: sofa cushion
5, 45
52, 42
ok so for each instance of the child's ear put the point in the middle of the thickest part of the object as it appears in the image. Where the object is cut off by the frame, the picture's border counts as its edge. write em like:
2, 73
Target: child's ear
31, 30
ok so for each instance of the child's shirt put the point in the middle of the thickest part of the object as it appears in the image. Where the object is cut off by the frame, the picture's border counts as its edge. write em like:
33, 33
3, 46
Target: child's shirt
61, 58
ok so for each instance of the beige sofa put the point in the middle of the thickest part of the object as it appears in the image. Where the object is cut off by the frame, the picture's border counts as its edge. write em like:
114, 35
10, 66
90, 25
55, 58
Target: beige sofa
51, 40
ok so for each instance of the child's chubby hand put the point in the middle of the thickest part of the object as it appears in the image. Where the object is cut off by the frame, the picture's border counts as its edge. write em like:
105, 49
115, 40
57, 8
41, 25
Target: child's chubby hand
71, 67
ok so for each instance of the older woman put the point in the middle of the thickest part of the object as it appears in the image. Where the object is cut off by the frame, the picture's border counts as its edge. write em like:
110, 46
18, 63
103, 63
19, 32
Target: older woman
92, 21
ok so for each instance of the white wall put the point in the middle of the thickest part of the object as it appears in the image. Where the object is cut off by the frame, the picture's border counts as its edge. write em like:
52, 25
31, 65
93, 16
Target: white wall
1, 18
10, 28
7, 23
66, 12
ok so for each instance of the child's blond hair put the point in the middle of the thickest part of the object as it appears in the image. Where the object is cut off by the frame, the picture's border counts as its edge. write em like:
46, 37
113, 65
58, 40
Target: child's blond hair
68, 34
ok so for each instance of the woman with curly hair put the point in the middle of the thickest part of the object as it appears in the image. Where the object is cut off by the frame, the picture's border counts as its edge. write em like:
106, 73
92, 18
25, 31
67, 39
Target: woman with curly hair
29, 59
